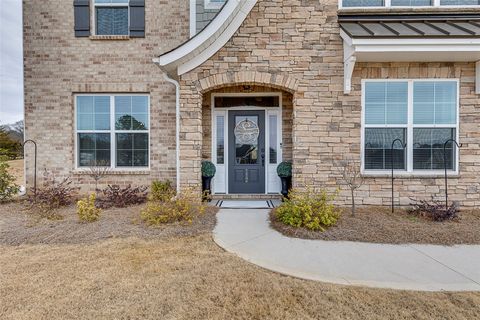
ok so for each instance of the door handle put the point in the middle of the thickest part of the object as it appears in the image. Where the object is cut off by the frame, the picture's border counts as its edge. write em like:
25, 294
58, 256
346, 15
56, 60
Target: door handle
263, 160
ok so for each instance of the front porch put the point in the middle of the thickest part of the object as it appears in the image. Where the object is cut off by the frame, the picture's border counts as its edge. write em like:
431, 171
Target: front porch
246, 133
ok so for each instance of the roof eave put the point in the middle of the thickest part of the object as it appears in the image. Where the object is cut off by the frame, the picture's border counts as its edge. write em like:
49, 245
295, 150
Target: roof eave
452, 49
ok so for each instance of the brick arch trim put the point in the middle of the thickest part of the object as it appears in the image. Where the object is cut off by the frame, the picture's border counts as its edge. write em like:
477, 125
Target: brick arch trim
228, 79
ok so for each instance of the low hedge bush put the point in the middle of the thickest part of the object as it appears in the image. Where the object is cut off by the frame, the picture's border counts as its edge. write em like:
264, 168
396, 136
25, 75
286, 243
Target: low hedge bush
185, 207
54, 194
121, 197
161, 191
310, 210
86, 209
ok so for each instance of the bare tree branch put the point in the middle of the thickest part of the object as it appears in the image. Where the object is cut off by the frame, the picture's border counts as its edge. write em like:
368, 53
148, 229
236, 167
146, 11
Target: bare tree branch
98, 171
351, 176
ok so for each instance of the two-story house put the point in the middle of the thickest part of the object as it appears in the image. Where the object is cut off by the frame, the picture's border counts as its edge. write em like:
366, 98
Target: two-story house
150, 88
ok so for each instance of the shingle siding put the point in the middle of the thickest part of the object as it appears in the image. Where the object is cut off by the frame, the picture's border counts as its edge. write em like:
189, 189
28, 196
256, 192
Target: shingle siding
204, 16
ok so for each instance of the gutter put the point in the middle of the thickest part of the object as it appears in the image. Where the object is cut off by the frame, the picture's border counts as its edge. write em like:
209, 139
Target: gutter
177, 121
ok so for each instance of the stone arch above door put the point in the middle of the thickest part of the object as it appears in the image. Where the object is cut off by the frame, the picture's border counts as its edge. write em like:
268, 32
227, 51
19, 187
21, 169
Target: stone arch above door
275, 80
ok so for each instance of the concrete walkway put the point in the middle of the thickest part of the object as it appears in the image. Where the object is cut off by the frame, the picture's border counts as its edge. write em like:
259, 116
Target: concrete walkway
246, 233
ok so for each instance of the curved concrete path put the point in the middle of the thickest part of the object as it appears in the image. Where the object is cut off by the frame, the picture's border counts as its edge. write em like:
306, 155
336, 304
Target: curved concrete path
246, 232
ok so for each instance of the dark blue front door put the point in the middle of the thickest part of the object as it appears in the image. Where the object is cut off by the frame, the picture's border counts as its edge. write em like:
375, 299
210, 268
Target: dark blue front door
246, 154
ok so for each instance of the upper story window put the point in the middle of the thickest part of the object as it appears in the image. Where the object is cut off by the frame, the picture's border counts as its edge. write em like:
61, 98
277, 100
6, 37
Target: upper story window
111, 17
422, 114
406, 3
214, 4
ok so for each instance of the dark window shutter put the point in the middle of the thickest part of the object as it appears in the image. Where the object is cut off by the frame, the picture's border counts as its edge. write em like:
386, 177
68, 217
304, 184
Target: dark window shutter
137, 18
81, 10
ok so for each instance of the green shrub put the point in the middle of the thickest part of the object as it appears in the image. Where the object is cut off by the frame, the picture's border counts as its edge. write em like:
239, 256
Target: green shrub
86, 209
7, 186
208, 169
184, 207
284, 169
313, 211
161, 191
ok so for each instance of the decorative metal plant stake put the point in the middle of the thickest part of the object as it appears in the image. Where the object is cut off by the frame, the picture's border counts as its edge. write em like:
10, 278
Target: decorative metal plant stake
445, 166
35, 166
393, 178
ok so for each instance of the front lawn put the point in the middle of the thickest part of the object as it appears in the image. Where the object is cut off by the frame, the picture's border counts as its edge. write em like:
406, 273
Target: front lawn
379, 225
118, 268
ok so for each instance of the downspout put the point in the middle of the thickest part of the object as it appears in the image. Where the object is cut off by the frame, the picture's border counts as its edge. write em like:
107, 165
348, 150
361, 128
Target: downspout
177, 121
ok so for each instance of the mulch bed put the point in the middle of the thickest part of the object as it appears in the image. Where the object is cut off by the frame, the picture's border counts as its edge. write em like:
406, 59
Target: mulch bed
18, 225
379, 225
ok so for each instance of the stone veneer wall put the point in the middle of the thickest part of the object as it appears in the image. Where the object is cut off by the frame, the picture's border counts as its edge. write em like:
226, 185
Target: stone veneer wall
58, 65
296, 46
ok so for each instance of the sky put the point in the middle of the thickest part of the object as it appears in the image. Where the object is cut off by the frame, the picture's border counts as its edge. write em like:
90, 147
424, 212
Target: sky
11, 61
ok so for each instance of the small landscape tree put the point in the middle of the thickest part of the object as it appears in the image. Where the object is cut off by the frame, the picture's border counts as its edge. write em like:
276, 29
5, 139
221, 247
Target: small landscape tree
98, 171
351, 176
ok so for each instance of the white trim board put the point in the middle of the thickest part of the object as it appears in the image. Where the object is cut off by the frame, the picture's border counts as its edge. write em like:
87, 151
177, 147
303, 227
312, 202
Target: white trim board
407, 50
388, 4
193, 18
220, 184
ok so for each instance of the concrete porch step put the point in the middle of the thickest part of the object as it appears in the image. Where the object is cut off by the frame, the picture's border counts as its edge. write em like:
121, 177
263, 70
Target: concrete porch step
246, 197
246, 204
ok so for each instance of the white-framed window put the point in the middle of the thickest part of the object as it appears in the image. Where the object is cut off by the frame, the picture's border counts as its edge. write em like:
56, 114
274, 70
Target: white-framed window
406, 3
111, 17
421, 113
112, 130
214, 4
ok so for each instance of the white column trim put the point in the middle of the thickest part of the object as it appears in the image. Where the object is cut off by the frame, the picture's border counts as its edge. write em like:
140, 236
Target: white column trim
193, 18
349, 60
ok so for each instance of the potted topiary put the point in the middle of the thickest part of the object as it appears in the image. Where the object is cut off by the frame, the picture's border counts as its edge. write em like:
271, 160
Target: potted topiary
284, 171
208, 172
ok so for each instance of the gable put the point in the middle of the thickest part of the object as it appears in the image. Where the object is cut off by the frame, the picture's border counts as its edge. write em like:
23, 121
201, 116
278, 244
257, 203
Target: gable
206, 43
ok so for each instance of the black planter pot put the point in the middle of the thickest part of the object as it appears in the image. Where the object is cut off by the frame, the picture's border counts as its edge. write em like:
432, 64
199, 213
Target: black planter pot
286, 186
206, 188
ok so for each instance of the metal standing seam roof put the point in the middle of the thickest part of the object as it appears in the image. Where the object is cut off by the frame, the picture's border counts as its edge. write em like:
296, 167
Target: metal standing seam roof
410, 26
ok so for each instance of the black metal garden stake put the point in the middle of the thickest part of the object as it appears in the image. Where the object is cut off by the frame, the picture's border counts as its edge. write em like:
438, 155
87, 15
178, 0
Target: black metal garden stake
35, 166
445, 166
393, 178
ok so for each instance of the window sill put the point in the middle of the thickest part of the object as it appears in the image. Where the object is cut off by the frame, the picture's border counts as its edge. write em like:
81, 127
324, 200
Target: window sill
114, 172
412, 175
108, 38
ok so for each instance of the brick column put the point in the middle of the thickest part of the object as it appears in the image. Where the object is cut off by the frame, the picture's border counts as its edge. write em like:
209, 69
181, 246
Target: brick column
190, 136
